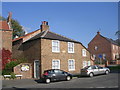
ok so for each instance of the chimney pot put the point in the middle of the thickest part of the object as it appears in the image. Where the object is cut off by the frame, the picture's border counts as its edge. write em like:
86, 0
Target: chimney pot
98, 32
44, 26
9, 17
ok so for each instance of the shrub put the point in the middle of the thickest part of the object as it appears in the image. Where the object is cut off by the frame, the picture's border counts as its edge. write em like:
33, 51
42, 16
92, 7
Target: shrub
11, 65
12, 76
9, 68
6, 57
6, 71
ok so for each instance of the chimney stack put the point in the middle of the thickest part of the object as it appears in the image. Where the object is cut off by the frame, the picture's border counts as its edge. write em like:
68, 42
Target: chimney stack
44, 26
98, 32
9, 17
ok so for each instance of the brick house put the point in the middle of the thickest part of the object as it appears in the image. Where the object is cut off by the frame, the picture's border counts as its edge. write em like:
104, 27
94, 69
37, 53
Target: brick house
104, 48
48, 50
6, 33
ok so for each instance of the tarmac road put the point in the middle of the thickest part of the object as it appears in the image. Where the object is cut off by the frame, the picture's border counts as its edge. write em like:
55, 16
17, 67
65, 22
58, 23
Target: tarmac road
102, 81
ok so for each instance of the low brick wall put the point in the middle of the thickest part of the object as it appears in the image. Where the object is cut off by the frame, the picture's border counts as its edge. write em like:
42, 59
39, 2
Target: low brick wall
118, 62
24, 69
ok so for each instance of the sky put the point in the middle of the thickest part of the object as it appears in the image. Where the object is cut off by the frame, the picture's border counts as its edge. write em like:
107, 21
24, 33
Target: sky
76, 20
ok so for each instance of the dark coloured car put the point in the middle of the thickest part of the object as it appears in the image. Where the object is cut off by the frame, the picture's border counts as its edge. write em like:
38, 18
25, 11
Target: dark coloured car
55, 75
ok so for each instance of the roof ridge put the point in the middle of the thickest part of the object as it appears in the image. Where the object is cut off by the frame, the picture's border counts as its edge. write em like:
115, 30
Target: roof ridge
32, 36
24, 35
45, 32
63, 36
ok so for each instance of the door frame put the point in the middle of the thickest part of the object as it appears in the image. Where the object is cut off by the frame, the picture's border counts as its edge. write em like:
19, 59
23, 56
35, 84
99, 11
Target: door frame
35, 68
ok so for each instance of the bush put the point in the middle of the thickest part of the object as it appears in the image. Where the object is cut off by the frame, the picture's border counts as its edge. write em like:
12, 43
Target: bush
9, 68
12, 76
6, 71
11, 65
115, 67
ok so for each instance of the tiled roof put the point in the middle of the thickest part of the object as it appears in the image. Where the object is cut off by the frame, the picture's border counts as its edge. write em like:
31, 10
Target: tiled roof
52, 36
24, 36
4, 25
111, 40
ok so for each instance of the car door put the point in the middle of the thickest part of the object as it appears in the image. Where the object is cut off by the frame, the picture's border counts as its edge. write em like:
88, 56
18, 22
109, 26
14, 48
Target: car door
59, 75
95, 70
101, 70
52, 75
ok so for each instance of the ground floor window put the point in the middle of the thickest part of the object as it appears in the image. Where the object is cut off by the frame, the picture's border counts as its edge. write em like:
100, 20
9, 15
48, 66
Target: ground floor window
71, 64
55, 64
89, 63
86, 63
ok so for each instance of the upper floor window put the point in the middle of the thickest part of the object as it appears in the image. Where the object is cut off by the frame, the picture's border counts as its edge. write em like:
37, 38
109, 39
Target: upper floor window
96, 48
84, 52
70, 47
55, 46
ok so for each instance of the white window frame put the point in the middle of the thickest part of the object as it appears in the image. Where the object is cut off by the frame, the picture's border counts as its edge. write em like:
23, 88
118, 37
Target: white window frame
89, 63
55, 48
53, 62
113, 47
71, 67
70, 47
84, 64
84, 52
96, 48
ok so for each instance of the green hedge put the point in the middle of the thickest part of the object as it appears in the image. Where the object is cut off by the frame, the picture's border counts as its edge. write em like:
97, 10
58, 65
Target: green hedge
115, 67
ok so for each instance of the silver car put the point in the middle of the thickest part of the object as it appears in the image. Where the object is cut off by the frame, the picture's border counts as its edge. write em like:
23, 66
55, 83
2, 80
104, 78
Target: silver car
94, 70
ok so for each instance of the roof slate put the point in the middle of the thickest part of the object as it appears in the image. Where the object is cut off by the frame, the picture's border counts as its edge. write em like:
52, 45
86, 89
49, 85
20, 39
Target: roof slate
111, 40
4, 25
53, 36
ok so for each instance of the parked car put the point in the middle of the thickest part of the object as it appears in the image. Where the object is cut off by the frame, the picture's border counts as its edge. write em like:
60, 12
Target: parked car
94, 70
55, 75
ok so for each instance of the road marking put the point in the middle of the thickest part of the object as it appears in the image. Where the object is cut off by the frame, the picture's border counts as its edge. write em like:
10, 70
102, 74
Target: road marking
105, 87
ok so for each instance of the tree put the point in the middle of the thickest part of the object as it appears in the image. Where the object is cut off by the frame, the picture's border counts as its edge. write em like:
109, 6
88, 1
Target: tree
17, 28
118, 34
2, 18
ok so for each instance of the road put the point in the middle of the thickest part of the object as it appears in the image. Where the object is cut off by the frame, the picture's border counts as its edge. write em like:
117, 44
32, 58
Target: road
101, 81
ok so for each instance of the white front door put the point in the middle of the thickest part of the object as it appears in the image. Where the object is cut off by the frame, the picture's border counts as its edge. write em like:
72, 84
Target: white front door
37, 69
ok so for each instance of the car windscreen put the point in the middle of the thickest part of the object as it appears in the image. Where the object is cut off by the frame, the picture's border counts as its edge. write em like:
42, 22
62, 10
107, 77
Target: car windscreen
86, 67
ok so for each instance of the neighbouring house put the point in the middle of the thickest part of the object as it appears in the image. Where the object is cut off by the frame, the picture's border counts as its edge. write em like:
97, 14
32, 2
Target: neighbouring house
6, 33
5, 41
48, 50
104, 50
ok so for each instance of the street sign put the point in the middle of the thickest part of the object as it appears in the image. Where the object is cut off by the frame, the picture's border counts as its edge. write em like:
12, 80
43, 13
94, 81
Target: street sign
100, 56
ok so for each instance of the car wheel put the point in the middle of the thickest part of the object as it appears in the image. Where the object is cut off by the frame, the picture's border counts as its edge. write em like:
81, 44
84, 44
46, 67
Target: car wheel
107, 72
68, 78
47, 80
91, 74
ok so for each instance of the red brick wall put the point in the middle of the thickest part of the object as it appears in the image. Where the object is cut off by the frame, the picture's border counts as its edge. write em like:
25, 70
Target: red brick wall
103, 45
26, 74
7, 39
47, 56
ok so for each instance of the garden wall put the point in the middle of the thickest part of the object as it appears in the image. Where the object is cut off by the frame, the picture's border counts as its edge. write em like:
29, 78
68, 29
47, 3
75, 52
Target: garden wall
24, 69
